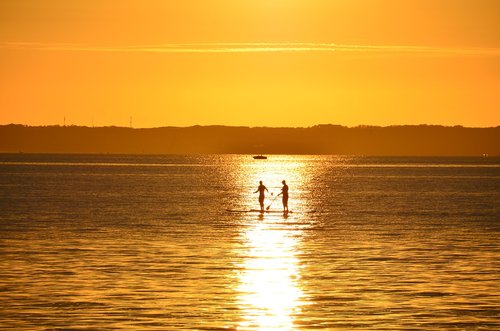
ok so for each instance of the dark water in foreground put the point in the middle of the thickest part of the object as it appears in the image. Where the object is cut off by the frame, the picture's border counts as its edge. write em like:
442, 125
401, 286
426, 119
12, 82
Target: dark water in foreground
145, 243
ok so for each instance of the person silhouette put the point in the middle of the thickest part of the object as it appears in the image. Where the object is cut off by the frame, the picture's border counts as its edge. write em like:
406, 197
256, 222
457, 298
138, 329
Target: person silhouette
284, 192
262, 196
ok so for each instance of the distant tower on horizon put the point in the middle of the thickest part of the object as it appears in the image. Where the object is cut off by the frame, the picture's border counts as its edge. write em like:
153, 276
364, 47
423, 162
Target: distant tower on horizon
131, 122
64, 121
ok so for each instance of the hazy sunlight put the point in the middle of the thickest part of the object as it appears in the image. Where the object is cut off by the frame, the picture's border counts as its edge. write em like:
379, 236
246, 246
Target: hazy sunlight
270, 292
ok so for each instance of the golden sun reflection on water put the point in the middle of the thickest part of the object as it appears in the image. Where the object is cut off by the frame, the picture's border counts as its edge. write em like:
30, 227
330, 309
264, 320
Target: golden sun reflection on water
271, 172
270, 292
269, 284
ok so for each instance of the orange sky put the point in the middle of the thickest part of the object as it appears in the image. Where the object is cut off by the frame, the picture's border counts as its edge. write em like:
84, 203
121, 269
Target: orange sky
250, 62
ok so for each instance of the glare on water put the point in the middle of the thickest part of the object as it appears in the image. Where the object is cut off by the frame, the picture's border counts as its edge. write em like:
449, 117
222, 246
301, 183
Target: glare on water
270, 294
269, 283
272, 172
145, 243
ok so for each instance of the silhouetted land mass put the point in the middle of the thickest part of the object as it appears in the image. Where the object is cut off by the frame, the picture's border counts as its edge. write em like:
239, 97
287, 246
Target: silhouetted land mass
421, 140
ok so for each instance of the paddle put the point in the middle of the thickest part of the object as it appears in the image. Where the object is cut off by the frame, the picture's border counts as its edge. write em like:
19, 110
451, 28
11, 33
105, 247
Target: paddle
267, 208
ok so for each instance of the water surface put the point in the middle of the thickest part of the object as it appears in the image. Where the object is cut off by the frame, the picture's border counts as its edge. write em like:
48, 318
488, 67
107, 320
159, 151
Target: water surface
105, 242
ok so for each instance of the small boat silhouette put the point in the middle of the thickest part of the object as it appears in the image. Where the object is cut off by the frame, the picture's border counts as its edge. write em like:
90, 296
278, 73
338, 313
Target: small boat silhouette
260, 157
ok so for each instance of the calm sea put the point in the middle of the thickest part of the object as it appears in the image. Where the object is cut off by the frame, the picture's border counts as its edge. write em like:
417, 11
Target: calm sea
110, 242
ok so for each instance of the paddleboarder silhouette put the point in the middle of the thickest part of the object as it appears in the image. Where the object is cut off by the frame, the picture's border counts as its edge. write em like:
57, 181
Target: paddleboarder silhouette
284, 192
262, 196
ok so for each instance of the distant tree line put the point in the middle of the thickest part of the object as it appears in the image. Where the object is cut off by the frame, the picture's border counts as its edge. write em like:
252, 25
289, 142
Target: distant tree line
425, 140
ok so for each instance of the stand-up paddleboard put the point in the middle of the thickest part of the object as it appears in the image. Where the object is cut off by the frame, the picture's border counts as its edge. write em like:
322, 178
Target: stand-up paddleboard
259, 211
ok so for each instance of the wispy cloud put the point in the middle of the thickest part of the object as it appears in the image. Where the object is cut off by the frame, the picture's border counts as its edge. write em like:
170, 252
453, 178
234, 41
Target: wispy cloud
257, 48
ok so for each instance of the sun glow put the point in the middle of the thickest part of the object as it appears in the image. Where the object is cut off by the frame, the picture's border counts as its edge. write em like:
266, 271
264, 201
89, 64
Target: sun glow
270, 291
271, 172
269, 284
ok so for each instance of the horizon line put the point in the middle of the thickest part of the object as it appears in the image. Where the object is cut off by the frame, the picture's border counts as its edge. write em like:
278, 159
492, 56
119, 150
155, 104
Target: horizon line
293, 47
248, 126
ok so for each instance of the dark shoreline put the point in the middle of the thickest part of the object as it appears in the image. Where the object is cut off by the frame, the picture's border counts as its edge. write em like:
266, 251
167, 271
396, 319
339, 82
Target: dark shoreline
409, 140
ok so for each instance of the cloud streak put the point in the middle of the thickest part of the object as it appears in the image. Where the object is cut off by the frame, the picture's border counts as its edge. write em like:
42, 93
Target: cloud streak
258, 48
